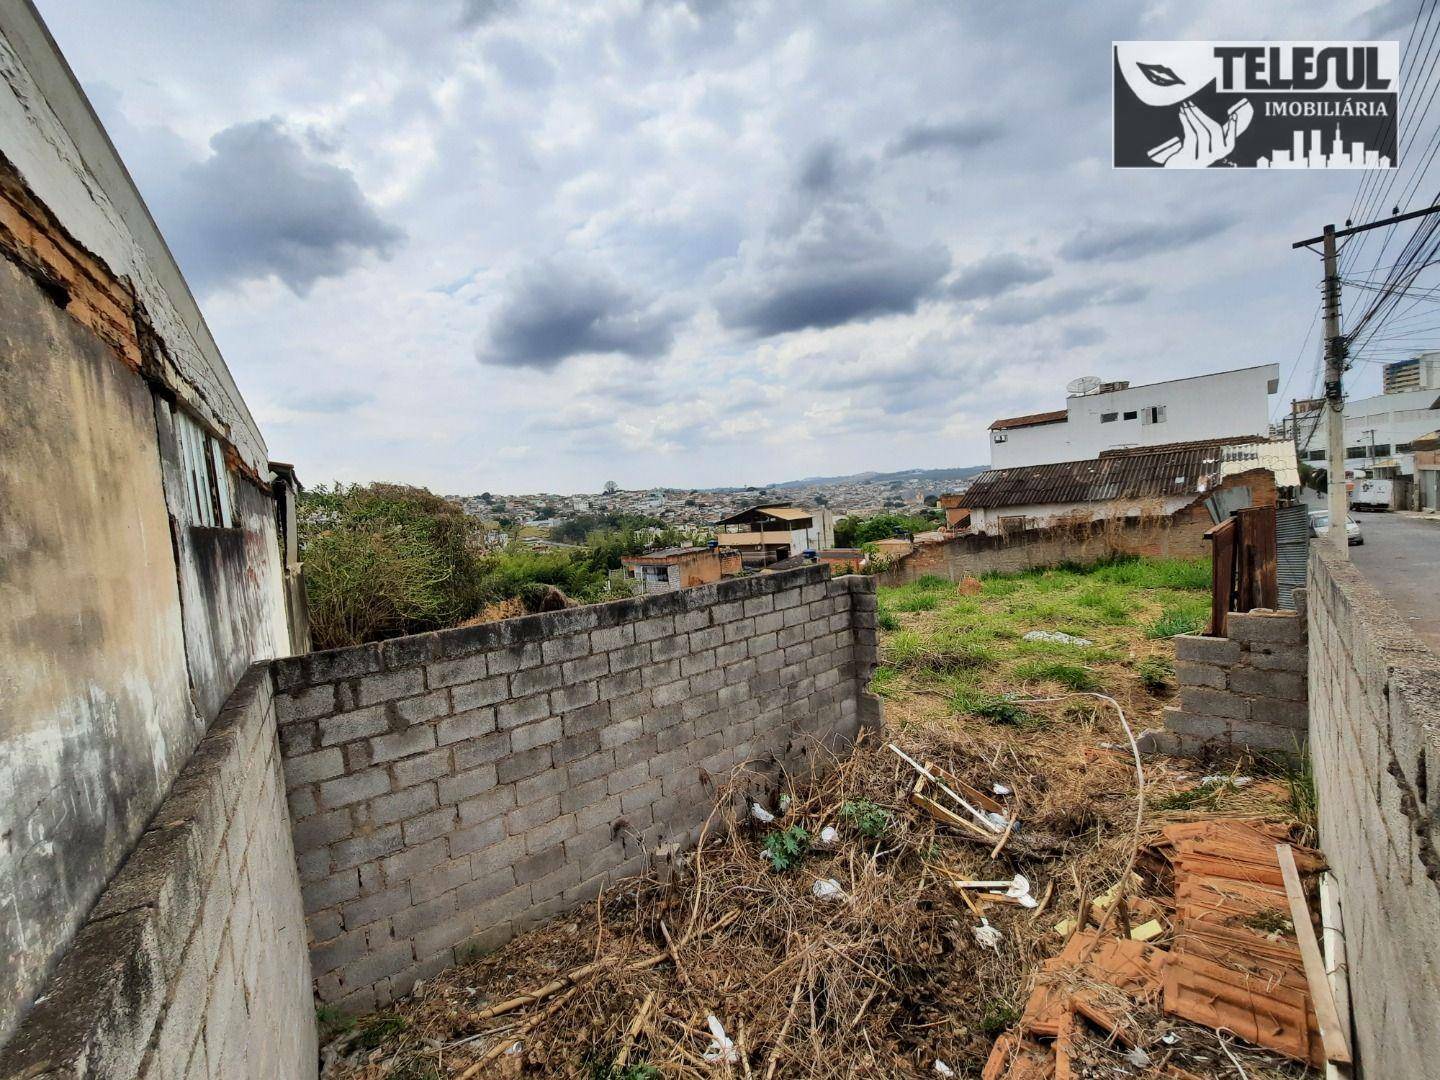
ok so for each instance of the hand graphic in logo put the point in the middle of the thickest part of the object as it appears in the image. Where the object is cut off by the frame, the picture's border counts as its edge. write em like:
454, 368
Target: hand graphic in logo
1202, 141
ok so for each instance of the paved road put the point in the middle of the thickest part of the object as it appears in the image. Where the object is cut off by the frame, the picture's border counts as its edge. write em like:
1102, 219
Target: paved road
1401, 558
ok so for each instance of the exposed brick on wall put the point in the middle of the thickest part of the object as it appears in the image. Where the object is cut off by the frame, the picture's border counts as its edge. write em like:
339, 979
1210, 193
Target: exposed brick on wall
1375, 745
192, 964
453, 789
1179, 536
1246, 691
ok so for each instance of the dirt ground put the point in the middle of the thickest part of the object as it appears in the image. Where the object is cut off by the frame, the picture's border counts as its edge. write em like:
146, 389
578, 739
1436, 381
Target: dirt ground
887, 975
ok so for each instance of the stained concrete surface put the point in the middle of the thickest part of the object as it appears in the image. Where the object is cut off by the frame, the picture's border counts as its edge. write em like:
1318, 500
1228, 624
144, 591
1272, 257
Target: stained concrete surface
1401, 558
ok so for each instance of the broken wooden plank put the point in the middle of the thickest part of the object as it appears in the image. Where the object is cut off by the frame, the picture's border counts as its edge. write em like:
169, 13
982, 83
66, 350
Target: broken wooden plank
1337, 1045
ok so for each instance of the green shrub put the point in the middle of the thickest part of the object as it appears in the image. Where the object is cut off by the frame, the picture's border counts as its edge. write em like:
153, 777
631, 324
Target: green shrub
787, 848
865, 817
382, 560
1000, 710
1070, 676
999, 1017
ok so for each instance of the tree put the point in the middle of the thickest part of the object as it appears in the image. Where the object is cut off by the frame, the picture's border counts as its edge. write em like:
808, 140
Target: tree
611, 487
382, 560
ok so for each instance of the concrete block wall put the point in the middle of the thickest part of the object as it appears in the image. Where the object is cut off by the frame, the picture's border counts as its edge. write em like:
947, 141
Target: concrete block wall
1375, 747
453, 789
1245, 691
192, 964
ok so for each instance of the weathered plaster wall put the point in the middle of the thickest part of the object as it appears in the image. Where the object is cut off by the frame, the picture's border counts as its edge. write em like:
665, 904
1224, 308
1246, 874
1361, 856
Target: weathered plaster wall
95, 713
53, 138
193, 964
453, 789
1375, 744
232, 602
115, 657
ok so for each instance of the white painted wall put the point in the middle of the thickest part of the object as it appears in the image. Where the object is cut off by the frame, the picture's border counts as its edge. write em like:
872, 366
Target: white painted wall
1395, 418
1204, 407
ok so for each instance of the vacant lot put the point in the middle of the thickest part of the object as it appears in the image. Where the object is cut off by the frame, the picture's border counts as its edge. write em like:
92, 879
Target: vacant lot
950, 650
885, 976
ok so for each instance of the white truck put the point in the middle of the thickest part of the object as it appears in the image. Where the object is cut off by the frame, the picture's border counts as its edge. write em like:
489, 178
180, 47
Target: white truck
1371, 494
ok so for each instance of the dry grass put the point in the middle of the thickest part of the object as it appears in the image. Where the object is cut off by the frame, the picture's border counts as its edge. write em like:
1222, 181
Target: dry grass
890, 979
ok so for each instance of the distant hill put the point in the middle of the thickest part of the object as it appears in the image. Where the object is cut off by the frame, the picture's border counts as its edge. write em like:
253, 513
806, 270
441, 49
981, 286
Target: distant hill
927, 475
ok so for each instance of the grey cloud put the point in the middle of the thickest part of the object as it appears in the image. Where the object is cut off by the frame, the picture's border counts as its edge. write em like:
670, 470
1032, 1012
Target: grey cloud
1077, 337
262, 204
951, 135
519, 64
820, 168
839, 266
331, 401
554, 312
1385, 20
996, 274
1022, 310
475, 13
1134, 240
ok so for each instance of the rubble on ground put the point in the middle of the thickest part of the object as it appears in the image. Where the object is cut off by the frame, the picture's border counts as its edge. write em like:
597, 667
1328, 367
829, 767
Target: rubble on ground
861, 953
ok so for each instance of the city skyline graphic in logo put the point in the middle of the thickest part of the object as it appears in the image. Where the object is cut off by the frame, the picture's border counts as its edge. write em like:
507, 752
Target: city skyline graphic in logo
1256, 104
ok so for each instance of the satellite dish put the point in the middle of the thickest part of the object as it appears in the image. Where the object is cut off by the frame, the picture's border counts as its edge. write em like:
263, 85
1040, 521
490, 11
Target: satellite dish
1086, 384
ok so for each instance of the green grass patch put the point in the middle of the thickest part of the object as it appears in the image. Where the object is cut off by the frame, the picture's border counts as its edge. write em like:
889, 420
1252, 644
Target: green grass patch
1202, 797
937, 653
1182, 617
918, 601
884, 617
1070, 676
1155, 673
884, 679
1193, 574
931, 582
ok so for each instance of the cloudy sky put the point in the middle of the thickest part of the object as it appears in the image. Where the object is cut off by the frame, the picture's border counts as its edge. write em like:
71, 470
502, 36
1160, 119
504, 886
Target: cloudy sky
510, 245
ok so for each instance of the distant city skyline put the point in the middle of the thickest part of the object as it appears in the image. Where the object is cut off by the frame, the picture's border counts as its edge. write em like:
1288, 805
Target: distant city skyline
1306, 153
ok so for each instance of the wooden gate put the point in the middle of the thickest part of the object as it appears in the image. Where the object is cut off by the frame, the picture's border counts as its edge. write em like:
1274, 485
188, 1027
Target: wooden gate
1242, 565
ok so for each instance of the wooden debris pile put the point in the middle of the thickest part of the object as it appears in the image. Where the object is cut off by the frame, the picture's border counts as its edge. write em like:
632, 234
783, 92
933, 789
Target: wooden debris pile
1237, 963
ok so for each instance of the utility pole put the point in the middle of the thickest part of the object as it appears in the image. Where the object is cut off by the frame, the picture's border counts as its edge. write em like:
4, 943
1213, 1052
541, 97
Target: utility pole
1336, 495
1337, 349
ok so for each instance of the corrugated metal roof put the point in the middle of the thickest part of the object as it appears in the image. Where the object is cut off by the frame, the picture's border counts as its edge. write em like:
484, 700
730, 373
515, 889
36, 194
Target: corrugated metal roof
781, 512
1135, 473
1059, 416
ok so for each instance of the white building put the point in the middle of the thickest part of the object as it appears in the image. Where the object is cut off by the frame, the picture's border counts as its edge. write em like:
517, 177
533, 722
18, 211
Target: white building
768, 533
1100, 416
1379, 430
1420, 372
